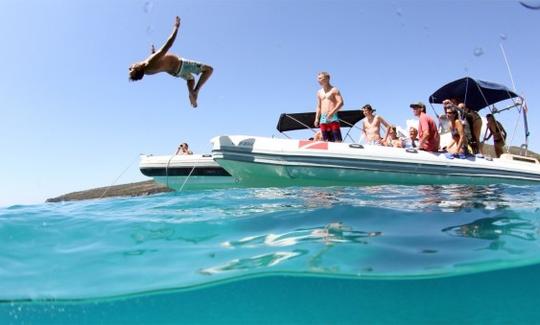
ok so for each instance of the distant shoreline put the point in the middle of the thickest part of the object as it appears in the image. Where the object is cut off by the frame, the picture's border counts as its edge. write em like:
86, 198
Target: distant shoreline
132, 189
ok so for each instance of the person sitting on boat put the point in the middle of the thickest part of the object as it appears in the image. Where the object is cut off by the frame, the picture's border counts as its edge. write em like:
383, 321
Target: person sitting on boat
317, 136
458, 145
162, 61
463, 116
392, 139
329, 102
183, 149
427, 129
412, 140
474, 122
498, 132
371, 126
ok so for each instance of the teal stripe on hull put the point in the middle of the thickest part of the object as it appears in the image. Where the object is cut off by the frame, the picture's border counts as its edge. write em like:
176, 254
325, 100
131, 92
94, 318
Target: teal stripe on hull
270, 175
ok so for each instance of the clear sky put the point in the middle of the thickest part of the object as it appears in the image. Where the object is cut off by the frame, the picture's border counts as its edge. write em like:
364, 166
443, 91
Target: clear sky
70, 120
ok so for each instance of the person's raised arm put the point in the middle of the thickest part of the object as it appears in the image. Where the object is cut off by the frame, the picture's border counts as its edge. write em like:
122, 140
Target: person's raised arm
157, 55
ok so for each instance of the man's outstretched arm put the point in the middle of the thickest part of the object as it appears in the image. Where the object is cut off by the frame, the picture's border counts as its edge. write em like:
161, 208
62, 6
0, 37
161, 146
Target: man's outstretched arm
167, 44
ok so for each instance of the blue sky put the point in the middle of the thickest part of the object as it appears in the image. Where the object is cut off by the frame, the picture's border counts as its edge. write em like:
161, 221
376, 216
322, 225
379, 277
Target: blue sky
70, 120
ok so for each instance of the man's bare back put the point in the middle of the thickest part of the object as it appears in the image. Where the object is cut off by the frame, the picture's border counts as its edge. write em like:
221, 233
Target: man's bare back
169, 63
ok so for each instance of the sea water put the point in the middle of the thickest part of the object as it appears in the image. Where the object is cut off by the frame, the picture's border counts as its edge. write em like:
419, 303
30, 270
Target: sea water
334, 255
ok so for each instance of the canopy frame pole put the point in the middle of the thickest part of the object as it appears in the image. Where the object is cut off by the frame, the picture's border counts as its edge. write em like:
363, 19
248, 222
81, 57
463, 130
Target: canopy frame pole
525, 146
299, 122
507, 66
351, 126
497, 111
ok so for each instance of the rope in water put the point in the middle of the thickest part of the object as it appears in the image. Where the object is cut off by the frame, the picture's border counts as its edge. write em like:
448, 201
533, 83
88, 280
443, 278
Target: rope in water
189, 175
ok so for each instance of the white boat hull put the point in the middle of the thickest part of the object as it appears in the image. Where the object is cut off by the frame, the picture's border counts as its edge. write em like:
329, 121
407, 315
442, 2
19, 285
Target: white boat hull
261, 162
186, 172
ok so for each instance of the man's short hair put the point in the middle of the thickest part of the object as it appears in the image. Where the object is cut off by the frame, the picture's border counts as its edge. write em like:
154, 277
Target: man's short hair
136, 73
368, 107
324, 74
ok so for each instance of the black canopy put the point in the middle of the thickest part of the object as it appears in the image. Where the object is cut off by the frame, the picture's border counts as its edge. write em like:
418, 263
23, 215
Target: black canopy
475, 94
300, 121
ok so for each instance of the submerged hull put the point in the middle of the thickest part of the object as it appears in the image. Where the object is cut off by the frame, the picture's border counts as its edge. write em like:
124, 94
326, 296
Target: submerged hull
188, 172
260, 162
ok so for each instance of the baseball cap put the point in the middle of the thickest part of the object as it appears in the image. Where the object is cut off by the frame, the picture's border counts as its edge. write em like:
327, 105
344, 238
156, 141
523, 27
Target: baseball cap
417, 104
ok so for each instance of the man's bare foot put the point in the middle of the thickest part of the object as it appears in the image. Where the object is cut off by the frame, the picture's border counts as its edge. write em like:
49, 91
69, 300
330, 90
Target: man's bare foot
193, 99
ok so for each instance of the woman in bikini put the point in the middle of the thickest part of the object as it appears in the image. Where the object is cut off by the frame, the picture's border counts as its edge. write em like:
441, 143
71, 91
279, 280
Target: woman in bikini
496, 130
475, 123
458, 145
392, 140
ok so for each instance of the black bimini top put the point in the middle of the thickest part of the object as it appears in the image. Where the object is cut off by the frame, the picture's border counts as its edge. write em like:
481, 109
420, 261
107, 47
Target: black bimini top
475, 94
301, 121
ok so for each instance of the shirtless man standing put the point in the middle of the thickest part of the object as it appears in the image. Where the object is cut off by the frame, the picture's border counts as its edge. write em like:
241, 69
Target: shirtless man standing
329, 102
162, 61
371, 127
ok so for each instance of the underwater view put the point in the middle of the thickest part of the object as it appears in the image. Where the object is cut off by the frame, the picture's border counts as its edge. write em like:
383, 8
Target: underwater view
334, 255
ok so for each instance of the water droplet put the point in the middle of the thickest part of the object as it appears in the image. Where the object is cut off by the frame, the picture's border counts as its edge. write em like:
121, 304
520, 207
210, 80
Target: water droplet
503, 36
148, 6
399, 13
149, 29
534, 5
478, 51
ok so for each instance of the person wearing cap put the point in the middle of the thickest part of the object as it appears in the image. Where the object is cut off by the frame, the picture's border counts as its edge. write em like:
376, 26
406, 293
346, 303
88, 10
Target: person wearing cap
427, 129
371, 126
